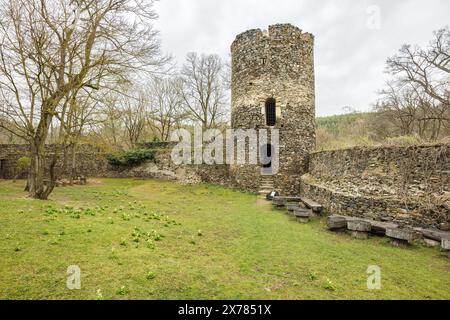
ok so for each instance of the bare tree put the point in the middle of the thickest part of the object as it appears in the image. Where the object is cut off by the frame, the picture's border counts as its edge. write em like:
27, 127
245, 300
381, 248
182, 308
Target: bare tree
166, 110
427, 68
417, 100
203, 90
134, 117
109, 131
49, 50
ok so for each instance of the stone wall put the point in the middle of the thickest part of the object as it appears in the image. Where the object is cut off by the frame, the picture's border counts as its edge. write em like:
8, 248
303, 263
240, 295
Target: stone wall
162, 167
90, 161
407, 185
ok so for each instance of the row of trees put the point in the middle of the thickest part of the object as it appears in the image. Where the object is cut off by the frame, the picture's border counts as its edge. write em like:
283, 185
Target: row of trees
79, 69
197, 94
417, 99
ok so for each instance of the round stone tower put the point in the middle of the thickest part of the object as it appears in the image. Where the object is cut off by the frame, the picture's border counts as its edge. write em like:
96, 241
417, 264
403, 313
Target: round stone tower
273, 88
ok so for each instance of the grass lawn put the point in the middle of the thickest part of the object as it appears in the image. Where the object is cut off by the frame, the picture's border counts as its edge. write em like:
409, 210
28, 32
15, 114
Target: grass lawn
135, 239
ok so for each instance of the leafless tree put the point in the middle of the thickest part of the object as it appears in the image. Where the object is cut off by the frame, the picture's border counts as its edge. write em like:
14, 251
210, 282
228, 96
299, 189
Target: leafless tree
51, 49
166, 110
203, 90
418, 99
134, 117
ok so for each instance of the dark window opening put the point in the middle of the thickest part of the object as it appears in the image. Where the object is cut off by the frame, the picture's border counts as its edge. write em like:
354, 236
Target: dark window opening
271, 114
267, 155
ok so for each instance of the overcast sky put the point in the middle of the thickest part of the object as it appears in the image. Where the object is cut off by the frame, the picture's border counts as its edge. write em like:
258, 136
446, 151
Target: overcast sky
351, 44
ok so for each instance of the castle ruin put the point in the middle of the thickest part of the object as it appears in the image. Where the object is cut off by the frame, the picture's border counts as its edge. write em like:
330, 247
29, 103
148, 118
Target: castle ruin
273, 88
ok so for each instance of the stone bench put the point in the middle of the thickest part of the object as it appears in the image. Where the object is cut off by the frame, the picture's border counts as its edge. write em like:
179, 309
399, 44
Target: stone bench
291, 207
292, 199
359, 229
445, 244
302, 215
279, 202
433, 234
401, 237
337, 222
314, 206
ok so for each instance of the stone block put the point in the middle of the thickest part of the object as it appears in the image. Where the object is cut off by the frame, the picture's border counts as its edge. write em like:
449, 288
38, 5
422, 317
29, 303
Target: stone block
360, 235
336, 222
359, 225
401, 237
401, 234
445, 244
302, 220
302, 215
431, 243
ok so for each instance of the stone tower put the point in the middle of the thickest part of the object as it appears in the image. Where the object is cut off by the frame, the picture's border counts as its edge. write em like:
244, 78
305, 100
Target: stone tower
273, 88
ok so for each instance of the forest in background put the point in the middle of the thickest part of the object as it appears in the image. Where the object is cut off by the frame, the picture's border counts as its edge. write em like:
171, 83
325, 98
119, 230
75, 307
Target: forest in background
366, 129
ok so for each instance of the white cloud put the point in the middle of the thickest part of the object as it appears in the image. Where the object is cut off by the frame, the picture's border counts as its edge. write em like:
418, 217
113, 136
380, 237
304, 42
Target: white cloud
349, 57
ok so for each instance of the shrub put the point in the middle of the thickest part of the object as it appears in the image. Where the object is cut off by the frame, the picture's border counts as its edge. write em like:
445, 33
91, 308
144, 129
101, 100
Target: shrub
129, 158
23, 165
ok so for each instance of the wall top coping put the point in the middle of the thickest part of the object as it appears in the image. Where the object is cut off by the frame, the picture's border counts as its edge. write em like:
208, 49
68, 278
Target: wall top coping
374, 148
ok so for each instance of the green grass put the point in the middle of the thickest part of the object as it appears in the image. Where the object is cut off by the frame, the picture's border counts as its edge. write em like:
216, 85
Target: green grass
137, 239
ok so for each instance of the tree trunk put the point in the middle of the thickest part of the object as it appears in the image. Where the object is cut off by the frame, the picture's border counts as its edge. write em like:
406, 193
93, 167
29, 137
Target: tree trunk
27, 186
37, 170
52, 182
38, 187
